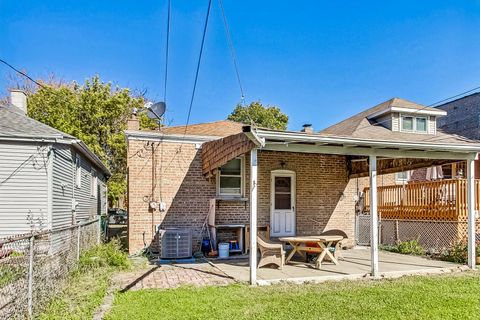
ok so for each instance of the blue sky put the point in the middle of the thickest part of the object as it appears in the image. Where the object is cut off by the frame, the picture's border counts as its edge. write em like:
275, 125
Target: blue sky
320, 61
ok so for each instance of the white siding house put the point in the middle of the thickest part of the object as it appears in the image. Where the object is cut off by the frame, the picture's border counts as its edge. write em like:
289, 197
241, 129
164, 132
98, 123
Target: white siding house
38, 175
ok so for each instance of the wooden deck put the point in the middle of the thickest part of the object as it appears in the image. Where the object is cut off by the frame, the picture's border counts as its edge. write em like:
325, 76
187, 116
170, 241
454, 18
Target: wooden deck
443, 200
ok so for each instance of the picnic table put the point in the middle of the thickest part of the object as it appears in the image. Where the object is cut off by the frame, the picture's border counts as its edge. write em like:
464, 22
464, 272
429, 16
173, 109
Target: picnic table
324, 243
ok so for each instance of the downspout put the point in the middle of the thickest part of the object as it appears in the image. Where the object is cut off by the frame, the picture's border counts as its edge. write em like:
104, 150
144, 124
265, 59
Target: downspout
50, 157
153, 189
74, 214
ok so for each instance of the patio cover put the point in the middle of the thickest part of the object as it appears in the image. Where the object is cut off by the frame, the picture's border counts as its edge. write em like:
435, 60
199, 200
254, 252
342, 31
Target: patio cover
378, 151
370, 148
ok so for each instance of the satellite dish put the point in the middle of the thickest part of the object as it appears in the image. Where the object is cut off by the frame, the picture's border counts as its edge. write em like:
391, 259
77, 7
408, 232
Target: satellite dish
155, 110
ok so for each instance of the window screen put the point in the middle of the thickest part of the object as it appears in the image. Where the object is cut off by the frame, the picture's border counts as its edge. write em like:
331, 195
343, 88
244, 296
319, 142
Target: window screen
407, 123
421, 124
283, 193
231, 178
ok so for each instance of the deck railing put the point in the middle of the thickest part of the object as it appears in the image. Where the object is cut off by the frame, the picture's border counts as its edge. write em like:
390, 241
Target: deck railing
444, 200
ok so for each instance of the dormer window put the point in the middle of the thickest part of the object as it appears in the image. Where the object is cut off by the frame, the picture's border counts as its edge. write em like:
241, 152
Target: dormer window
414, 124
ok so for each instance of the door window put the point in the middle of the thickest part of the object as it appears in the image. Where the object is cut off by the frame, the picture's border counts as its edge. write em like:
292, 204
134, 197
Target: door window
283, 193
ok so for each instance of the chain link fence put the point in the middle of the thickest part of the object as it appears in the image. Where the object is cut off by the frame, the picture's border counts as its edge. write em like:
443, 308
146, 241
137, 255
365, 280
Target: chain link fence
433, 236
33, 267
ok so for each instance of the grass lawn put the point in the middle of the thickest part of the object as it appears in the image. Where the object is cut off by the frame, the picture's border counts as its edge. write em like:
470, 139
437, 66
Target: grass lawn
86, 288
436, 297
79, 300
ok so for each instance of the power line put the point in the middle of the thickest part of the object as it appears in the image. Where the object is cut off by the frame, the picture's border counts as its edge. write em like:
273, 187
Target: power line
198, 66
455, 96
232, 50
21, 73
166, 53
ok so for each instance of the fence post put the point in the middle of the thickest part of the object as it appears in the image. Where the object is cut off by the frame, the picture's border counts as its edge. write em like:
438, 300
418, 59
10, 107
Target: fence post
396, 231
30, 278
99, 235
78, 241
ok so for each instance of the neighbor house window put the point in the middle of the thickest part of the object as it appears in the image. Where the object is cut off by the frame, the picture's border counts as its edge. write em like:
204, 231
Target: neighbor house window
94, 183
230, 178
78, 172
401, 177
421, 124
414, 124
407, 123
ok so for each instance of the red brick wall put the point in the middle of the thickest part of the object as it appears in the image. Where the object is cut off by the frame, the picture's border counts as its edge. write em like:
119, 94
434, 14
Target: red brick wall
325, 195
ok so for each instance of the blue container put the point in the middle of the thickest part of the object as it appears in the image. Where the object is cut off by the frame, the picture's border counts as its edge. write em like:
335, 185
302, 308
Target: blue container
206, 246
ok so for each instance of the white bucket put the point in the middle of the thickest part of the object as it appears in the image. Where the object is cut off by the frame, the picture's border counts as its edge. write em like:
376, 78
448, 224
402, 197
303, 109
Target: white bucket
223, 250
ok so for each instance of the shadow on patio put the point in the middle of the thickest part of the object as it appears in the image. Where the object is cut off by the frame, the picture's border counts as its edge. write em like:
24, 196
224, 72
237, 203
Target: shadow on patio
355, 264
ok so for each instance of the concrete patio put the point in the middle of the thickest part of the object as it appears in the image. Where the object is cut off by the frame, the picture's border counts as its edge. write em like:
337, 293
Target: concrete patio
354, 265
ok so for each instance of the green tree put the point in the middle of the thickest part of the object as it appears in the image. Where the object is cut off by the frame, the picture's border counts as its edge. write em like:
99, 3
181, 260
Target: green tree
262, 116
96, 113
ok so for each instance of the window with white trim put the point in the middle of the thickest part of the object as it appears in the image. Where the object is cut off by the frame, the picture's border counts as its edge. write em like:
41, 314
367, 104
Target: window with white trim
78, 172
402, 177
414, 124
94, 183
230, 178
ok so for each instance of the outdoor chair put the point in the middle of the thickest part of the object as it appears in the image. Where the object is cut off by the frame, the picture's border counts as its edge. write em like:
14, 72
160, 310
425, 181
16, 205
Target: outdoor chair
270, 253
338, 245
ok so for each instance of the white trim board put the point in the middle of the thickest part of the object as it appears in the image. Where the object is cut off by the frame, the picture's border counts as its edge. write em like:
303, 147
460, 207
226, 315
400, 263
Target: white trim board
158, 136
369, 151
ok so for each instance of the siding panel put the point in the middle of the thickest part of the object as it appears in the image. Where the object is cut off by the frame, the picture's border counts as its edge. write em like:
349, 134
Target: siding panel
23, 187
63, 175
87, 204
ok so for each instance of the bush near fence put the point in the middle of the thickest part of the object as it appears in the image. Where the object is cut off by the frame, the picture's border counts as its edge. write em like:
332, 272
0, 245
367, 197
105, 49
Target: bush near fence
433, 236
34, 267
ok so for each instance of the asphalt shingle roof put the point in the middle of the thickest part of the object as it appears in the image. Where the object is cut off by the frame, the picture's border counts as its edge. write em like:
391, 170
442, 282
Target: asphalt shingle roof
359, 126
14, 123
220, 128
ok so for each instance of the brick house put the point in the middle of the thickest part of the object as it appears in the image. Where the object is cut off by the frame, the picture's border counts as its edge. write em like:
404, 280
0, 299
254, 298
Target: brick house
303, 182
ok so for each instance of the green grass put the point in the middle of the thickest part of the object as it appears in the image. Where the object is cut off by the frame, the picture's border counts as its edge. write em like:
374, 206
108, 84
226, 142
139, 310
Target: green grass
88, 285
435, 297
10, 273
79, 300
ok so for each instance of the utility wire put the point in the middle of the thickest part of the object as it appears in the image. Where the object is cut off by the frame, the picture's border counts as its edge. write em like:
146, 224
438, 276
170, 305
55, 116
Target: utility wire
166, 53
232, 50
455, 96
198, 67
22, 73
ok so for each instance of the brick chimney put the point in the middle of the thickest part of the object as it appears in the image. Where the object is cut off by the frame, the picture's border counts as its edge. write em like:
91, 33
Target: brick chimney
18, 98
307, 128
133, 123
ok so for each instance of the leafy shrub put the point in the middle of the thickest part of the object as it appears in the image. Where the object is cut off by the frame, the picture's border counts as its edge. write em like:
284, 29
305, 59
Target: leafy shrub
105, 255
412, 247
389, 247
458, 253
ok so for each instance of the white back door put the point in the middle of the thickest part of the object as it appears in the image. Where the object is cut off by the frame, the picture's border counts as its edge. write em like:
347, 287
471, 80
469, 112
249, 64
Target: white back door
282, 206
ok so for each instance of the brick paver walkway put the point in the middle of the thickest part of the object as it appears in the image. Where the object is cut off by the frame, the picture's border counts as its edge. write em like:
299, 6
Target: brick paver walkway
172, 276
